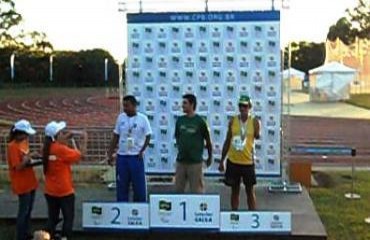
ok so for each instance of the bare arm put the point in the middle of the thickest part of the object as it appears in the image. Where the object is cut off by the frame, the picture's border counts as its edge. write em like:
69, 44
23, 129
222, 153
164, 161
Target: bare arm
112, 147
83, 146
209, 148
146, 143
225, 147
256, 125
25, 162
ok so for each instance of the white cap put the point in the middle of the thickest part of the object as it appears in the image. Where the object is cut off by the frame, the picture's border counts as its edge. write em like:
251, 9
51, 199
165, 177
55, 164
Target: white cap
53, 128
24, 126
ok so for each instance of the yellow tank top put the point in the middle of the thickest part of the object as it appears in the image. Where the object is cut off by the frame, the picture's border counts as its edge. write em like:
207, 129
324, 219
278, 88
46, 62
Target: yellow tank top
244, 155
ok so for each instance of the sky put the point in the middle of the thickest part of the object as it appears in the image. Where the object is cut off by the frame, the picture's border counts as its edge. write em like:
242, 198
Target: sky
87, 24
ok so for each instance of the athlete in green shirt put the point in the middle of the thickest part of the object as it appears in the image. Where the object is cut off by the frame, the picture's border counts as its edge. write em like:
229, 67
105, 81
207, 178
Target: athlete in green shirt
190, 133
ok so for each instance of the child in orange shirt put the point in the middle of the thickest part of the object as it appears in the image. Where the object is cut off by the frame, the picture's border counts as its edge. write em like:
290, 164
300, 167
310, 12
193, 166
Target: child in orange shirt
22, 177
59, 191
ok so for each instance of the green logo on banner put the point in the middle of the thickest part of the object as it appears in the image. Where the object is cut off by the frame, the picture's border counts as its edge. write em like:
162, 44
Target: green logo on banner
165, 205
96, 210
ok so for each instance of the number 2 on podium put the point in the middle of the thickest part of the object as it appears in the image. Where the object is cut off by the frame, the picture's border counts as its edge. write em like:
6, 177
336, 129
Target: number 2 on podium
115, 219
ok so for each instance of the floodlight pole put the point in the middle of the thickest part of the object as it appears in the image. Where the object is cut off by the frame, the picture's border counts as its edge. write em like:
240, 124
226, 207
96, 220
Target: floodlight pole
206, 5
273, 5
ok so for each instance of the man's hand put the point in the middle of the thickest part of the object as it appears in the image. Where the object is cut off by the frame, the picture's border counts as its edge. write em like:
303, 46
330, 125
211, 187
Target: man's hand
221, 166
111, 159
141, 155
209, 161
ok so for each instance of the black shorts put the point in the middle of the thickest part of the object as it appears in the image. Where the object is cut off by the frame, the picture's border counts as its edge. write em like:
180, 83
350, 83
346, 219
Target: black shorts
235, 172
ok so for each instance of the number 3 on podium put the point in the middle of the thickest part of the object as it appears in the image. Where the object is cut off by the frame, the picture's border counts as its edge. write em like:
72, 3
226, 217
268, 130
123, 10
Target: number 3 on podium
256, 221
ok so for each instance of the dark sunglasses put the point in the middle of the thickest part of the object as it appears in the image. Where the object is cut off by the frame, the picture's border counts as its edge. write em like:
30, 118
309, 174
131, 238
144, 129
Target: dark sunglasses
243, 105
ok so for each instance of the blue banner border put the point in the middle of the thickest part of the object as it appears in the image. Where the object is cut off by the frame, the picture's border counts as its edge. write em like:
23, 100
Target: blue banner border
183, 17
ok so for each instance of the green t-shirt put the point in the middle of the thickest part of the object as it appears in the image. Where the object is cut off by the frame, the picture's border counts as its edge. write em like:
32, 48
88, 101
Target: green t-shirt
190, 134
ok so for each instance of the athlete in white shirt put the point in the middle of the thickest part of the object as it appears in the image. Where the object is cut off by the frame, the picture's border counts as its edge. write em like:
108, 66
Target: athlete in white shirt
132, 135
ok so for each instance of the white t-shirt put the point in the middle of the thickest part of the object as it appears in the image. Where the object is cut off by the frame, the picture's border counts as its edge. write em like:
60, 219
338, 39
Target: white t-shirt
132, 132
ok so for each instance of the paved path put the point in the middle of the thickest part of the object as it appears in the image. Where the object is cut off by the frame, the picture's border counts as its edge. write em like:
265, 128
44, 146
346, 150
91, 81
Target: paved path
301, 106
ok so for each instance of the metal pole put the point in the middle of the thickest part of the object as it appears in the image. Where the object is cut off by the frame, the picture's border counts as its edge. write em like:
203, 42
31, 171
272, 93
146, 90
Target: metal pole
106, 77
12, 57
289, 66
106, 69
352, 195
51, 68
206, 5
120, 72
285, 169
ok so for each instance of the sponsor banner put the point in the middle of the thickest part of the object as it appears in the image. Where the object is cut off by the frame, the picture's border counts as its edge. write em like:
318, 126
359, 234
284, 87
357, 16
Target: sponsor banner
116, 216
185, 212
216, 56
250, 222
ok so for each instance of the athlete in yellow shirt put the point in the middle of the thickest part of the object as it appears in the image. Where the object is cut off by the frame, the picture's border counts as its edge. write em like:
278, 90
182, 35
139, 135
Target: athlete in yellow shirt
238, 147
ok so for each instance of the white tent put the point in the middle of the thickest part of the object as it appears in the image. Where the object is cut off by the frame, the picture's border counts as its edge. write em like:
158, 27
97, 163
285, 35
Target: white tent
296, 78
331, 82
293, 73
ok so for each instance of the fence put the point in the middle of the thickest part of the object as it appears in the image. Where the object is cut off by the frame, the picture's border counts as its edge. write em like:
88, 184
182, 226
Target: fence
97, 146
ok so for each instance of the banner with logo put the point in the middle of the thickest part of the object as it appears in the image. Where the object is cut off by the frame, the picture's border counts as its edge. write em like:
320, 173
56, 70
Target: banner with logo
217, 56
116, 216
185, 212
249, 222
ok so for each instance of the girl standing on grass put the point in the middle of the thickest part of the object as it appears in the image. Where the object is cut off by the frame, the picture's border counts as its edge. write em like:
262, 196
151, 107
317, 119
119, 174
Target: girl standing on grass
57, 160
22, 177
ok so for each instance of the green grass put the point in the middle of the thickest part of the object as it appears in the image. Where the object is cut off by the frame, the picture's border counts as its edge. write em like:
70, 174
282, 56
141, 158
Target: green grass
343, 218
360, 100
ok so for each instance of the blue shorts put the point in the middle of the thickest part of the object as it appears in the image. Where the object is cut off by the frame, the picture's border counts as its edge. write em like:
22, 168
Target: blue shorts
130, 170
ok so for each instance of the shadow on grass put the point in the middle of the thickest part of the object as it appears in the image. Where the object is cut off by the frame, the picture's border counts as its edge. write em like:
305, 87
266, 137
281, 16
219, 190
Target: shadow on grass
324, 180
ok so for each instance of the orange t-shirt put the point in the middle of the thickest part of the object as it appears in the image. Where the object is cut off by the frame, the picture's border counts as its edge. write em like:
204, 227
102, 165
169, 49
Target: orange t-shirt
24, 180
58, 177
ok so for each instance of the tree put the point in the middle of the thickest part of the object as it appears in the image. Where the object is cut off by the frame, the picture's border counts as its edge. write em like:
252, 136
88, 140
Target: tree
342, 30
360, 19
306, 55
15, 38
9, 18
35, 41
356, 23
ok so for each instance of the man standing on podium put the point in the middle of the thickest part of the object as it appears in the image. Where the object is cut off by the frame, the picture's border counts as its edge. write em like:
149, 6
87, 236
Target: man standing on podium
132, 134
191, 132
238, 147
